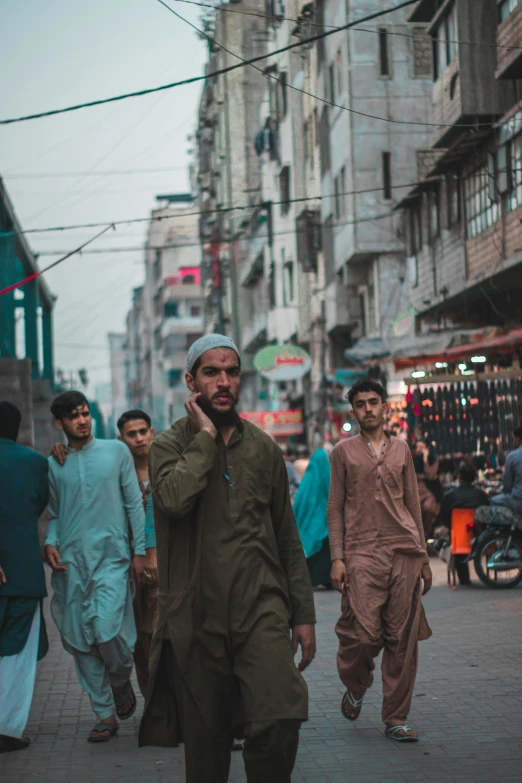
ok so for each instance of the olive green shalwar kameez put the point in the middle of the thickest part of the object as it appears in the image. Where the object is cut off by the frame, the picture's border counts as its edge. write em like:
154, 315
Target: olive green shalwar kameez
233, 579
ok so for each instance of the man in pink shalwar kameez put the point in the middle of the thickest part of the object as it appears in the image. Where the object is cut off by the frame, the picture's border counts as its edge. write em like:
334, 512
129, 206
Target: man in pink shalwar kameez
379, 562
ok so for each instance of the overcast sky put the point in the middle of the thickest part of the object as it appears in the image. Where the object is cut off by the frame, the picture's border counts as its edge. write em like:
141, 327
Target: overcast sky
53, 54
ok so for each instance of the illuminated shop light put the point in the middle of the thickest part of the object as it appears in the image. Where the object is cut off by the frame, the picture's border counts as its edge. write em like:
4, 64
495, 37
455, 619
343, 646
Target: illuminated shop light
418, 374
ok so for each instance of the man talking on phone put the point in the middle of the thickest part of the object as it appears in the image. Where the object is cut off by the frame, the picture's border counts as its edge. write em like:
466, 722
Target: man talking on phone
235, 600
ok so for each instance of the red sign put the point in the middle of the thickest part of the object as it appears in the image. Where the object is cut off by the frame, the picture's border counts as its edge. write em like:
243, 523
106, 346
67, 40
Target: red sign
277, 423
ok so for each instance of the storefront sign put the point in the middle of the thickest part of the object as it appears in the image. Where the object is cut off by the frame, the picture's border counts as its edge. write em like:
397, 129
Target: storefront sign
279, 424
282, 362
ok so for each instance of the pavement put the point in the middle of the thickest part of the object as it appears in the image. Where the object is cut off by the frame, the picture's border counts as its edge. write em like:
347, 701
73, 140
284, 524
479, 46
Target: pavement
467, 707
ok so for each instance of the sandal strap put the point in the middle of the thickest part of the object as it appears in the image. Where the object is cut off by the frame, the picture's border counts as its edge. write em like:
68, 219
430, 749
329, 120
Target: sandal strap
105, 727
394, 729
355, 703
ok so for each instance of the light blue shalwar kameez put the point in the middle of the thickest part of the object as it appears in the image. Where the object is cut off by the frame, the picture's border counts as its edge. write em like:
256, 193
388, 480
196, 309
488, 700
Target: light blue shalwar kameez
94, 498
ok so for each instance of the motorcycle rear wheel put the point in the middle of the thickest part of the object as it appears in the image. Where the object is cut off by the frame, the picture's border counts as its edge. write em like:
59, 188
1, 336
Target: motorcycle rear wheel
487, 549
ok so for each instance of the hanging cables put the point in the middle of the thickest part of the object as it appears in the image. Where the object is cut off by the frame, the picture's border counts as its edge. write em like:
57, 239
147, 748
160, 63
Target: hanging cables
199, 213
219, 72
55, 263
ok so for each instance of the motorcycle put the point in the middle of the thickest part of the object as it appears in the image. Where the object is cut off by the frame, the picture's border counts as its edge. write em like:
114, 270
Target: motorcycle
496, 552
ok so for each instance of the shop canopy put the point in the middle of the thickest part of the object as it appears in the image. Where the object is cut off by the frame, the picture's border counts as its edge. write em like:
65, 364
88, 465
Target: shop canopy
371, 349
497, 344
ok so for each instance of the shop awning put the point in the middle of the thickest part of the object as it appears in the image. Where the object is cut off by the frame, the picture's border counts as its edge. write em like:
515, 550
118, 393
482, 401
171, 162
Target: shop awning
499, 344
369, 349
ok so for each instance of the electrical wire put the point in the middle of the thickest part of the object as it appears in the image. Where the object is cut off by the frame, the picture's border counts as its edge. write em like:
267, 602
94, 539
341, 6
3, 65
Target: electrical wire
290, 232
322, 26
219, 72
40, 272
325, 101
199, 213
115, 172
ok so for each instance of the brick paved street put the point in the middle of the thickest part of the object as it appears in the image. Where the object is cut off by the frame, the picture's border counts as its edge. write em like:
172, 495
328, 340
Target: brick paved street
467, 705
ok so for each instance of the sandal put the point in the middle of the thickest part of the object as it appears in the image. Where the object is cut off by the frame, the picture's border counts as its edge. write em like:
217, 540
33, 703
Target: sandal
356, 704
110, 727
392, 733
120, 699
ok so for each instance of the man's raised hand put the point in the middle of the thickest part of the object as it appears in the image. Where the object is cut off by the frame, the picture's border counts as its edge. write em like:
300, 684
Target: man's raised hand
304, 635
198, 418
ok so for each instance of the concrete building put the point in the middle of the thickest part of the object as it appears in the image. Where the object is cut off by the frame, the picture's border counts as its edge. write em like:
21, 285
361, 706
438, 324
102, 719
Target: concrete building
26, 333
165, 318
375, 83
281, 274
228, 172
463, 219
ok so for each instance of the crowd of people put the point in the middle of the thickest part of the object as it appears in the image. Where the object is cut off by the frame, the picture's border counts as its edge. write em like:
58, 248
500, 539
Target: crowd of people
180, 554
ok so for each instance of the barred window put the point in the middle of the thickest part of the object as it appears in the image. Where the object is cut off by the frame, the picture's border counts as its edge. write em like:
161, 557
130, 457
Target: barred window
481, 211
506, 7
514, 195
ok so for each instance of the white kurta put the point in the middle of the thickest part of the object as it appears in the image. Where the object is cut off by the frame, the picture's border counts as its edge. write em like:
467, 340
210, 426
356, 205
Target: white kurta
17, 678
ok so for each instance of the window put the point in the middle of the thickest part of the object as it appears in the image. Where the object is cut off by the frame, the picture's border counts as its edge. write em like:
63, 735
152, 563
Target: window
284, 189
413, 270
190, 339
453, 200
288, 283
328, 249
415, 227
339, 70
174, 343
283, 86
331, 83
513, 197
336, 199
195, 311
156, 269
324, 141
445, 36
481, 212
174, 378
384, 52
340, 190
189, 280
434, 207
386, 176
171, 309
506, 7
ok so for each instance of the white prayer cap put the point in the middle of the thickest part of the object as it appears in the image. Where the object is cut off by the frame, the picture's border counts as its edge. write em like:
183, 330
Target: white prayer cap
207, 343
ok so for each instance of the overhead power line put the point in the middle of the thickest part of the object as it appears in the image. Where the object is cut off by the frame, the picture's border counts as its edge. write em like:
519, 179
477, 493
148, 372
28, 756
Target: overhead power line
199, 213
220, 72
227, 9
113, 173
40, 272
172, 246
317, 97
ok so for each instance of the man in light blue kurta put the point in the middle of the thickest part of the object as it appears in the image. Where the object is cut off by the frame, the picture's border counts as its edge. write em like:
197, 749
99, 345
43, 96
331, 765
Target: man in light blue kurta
94, 499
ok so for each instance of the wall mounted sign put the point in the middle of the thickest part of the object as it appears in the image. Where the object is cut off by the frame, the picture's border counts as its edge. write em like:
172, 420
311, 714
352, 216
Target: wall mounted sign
279, 424
282, 362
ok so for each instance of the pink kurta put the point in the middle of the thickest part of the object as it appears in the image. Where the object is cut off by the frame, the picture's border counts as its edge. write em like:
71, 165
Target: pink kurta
375, 526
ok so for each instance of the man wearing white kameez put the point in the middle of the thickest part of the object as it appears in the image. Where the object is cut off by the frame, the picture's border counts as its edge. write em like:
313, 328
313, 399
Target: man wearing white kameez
23, 641
94, 498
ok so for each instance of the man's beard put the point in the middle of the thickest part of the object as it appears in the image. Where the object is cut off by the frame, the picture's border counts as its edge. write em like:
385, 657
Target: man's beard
219, 418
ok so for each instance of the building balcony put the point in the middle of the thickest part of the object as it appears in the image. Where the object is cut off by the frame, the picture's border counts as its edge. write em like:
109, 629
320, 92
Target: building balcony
253, 267
509, 34
182, 325
181, 291
255, 333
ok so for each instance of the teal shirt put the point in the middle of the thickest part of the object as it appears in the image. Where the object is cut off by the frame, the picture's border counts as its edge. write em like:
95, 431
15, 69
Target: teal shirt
24, 492
94, 498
